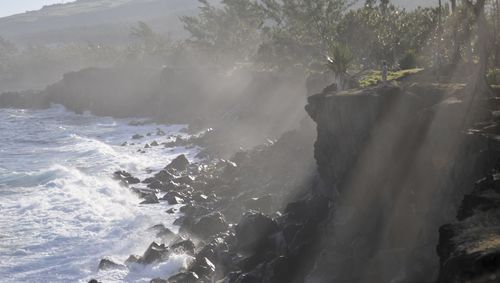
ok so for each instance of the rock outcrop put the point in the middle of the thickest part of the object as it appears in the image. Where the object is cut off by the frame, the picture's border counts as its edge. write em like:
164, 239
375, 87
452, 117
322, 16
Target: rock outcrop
396, 161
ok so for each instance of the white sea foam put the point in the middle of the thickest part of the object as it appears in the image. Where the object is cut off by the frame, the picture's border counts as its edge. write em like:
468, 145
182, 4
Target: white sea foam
60, 210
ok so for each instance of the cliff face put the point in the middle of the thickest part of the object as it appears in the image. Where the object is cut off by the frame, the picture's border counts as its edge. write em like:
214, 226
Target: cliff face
396, 162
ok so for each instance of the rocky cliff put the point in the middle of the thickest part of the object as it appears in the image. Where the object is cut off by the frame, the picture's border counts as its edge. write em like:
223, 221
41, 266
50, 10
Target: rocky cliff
396, 162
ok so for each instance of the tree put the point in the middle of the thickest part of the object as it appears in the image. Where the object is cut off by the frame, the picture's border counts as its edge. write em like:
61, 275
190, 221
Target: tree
229, 33
479, 83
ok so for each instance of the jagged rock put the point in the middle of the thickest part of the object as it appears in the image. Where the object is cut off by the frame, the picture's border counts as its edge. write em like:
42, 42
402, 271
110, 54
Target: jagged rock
172, 198
155, 252
180, 163
147, 146
186, 246
203, 267
155, 143
171, 211
150, 198
209, 225
126, 178
253, 231
184, 180
137, 137
156, 185
184, 277
132, 259
105, 264
164, 176
162, 231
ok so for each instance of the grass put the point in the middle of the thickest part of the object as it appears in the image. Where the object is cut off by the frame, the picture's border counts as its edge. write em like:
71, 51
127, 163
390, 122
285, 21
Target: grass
372, 77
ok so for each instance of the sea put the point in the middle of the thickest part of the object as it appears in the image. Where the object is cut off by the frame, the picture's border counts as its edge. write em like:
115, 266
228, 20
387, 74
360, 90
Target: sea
61, 211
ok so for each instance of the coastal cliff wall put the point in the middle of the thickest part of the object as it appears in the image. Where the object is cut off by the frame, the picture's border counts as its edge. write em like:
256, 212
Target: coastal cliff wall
396, 162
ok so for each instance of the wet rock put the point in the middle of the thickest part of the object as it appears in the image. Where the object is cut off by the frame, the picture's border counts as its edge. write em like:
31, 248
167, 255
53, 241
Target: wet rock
125, 144
126, 178
158, 280
137, 137
209, 225
94, 281
132, 259
184, 277
194, 210
154, 253
150, 198
186, 246
106, 264
184, 180
162, 231
156, 185
155, 143
147, 146
164, 176
180, 163
172, 198
170, 211
253, 231
203, 267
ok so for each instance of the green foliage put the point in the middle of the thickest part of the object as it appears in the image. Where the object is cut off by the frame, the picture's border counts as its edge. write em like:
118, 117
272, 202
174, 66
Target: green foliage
229, 33
409, 60
339, 58
372, 77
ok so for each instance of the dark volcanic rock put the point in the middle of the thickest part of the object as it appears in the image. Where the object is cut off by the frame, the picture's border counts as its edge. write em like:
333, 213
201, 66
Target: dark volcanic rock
186, 246
126, 178
137, 137
164, 176
105, 264
162, 231
253, 231
184, 277
180, 163
209, 225
155, 252
150, 198
172, 198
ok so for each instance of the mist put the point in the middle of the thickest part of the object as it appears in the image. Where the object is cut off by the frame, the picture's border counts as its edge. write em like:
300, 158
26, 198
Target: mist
250, 141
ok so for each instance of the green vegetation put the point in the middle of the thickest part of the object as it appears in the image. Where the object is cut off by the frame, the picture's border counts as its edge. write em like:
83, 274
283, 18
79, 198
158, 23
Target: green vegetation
372, 77
312, 35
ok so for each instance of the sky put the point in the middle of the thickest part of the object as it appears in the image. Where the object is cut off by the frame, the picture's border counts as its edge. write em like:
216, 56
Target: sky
11, 7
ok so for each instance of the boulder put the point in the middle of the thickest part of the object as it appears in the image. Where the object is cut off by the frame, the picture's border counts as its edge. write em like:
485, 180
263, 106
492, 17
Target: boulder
162, 231
137, 137
150, 198
154, 253
186, 246
155, 143
209, 225
158, 280
106, 264
253, 231
180, 163
126, 178
203, 267
164, 176
184, 277
172, 198
132, 259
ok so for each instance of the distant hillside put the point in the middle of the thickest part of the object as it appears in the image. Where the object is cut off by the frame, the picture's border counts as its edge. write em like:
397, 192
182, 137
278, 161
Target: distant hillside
102, 21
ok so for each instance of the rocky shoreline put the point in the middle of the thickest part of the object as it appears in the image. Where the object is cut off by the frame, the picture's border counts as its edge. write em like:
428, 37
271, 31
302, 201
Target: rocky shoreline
244, 219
